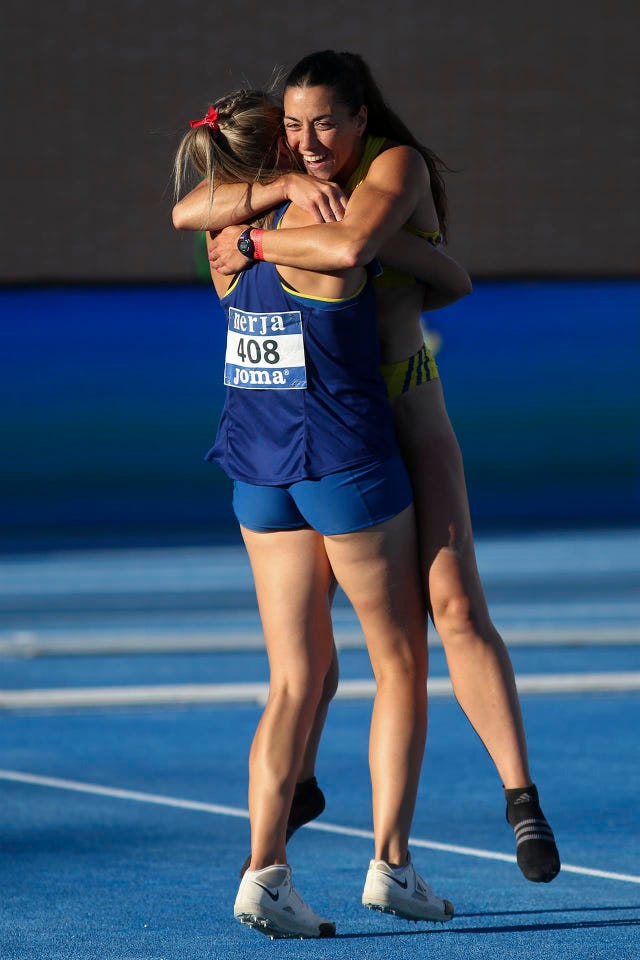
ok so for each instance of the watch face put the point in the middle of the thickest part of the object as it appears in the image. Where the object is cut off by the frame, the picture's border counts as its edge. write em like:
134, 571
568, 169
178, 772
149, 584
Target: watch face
245, 246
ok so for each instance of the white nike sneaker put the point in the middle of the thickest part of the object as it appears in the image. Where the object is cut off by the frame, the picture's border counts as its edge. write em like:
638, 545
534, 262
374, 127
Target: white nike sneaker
267, 902
404, 893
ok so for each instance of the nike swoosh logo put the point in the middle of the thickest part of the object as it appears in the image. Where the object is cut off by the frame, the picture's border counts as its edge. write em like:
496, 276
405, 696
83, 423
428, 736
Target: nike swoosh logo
401, 883
274, 896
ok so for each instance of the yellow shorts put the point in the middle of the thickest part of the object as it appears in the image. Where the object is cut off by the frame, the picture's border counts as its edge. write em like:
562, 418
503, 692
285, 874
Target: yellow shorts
402, 376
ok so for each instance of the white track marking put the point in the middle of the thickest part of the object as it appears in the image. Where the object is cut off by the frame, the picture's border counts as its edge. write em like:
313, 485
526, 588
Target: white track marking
238, 812
258, 692
232, 637
78, 786
134, 696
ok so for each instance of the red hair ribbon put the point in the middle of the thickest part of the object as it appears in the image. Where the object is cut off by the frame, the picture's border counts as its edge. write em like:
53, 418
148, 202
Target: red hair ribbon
211, 120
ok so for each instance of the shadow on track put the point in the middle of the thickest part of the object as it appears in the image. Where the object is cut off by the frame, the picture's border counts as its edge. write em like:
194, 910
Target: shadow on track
521, 913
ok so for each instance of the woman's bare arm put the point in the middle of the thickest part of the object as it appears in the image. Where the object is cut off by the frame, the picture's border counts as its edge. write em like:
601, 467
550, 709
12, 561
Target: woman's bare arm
235, 203
376, 211
445, 279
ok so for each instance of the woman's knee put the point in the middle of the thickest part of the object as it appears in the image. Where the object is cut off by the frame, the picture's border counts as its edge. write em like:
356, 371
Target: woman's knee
456, 598
463, 623
453, 615
403, 667
298, 689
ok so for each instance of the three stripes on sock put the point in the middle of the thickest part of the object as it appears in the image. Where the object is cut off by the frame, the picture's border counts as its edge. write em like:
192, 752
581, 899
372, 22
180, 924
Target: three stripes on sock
536, 849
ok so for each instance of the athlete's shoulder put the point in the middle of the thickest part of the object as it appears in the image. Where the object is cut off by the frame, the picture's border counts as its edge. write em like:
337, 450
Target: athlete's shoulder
396, 169
398, 155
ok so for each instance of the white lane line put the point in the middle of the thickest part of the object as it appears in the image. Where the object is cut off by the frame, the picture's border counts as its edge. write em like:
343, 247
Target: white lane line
238, 812
134, 696
92, 788
61, 697
229, 637
579, 682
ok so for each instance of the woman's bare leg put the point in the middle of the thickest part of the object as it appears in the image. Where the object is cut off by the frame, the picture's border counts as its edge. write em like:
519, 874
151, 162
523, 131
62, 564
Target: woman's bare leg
329, 688
292, 576
478, 661
378, 570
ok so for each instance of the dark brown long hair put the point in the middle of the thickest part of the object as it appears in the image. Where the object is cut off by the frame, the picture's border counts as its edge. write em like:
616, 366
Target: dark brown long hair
352, 82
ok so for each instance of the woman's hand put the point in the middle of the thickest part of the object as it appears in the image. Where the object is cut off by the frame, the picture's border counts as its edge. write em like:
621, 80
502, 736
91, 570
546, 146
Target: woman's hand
325, 201
224, 256
237, 202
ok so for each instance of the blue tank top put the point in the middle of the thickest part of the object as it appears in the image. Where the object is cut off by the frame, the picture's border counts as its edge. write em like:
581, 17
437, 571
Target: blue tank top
304, 394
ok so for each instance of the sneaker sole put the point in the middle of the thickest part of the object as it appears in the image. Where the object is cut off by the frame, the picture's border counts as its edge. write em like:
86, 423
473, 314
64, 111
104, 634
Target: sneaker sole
385, 908
274, 932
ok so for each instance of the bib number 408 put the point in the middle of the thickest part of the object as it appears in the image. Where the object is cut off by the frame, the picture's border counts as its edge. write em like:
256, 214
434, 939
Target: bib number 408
250, 351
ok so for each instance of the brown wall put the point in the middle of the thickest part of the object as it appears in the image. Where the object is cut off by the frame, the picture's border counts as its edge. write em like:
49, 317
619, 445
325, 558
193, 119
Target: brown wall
535, 106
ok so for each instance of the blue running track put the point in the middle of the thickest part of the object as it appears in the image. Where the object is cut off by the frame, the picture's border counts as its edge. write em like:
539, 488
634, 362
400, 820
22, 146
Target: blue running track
123, 826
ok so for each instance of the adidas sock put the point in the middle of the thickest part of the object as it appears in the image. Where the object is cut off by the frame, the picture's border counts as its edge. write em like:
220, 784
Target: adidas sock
537, 853
307, 804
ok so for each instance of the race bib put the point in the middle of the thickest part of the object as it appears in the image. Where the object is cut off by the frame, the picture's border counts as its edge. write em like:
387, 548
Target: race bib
265, 350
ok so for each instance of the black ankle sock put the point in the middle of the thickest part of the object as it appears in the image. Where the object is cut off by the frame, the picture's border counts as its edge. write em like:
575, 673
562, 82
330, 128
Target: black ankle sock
307, 804
537, 853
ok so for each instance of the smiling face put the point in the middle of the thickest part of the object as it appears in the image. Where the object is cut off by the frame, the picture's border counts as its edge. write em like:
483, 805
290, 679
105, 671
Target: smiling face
323, 133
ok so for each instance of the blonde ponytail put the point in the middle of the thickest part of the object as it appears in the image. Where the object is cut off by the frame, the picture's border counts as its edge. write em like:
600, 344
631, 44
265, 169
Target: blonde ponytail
242, 145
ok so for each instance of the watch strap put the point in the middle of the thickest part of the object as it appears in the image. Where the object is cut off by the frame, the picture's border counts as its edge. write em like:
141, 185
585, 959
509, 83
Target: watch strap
256, 235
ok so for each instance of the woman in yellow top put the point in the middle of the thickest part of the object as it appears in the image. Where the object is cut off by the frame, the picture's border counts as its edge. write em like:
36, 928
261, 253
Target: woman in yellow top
342, 132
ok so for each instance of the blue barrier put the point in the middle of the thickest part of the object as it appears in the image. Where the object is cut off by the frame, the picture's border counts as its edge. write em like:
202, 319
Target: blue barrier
110, 398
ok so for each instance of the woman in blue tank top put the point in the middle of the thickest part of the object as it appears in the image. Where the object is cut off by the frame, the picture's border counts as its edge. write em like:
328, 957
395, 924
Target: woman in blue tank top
319, 487
392, 180
305, 397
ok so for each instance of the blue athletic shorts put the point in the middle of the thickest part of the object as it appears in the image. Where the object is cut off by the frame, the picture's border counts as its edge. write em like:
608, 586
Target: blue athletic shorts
339, 503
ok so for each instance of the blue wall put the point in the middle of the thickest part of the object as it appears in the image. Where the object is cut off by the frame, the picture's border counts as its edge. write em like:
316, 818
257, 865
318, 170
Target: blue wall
110, 398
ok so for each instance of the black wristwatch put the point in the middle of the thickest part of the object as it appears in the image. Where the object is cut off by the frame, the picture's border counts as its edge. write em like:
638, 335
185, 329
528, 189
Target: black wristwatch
246, 245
